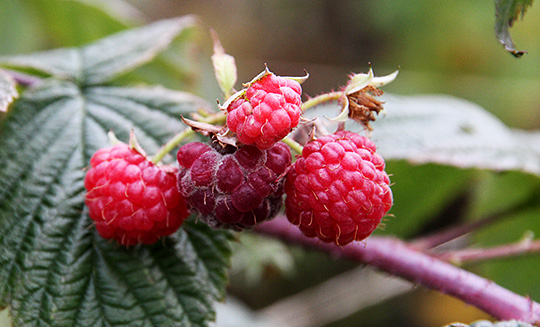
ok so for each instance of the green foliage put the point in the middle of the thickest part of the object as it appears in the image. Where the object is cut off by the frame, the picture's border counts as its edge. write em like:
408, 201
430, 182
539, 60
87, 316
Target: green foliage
57, 23
507, 11
519, 274
450, 131
420, 192
55, 270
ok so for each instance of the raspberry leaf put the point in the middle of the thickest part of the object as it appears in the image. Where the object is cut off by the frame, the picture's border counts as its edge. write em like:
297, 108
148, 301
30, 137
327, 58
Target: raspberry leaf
7, 91
453, 132
104, 59
506, 13
448, 131
55, 269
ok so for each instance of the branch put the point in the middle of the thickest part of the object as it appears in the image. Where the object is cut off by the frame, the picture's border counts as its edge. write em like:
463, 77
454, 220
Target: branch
446, 235
397, 258
481, 254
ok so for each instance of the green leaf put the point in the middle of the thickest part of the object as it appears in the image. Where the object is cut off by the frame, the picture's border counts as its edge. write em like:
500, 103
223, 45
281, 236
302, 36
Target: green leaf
55, 270
451, 131
101, 61
445, 130
420, 193
495, 193
75, 22
518, 273
506, 13
7, 91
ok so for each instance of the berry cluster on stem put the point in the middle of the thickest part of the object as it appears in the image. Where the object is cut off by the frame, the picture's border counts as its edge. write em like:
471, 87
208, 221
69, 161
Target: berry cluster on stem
336, 189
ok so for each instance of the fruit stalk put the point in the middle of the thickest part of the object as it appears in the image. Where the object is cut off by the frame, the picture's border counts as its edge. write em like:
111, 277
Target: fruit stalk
178, 138
171, 144
295, 146
320, 99
397, 258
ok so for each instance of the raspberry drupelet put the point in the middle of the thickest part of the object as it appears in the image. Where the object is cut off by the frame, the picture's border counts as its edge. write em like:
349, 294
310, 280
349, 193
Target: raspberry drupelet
267, 112
233, 188
130, 199
338, 190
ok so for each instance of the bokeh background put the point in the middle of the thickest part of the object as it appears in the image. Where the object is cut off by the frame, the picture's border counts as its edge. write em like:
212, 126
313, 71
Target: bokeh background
446, 47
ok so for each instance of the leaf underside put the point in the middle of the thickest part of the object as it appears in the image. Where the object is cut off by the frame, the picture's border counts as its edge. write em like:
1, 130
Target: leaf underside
449, 131
54, 268
506, 13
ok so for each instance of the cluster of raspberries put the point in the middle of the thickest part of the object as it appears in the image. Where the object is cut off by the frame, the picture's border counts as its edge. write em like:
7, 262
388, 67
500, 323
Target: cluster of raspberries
336, 190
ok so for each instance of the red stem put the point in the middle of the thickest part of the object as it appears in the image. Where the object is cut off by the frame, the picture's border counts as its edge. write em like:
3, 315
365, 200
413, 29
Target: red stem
441, 237
479, 254
397, 258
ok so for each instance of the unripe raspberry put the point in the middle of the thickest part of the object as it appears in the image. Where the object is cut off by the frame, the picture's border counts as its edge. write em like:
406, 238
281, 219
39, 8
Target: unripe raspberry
233, 188
130, 199
267, 112
338, 190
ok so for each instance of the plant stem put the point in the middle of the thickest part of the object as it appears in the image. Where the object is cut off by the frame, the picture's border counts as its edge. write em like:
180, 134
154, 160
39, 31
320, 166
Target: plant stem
399, 259
481, 254
178, 138
171, 144
320, 99
446, 235
295, 146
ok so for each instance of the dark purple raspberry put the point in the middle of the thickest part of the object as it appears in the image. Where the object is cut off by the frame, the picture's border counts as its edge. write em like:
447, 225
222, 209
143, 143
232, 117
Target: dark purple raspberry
338, 190
233, 189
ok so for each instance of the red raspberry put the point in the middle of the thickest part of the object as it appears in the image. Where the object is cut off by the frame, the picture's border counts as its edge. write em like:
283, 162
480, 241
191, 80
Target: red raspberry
233, 189
130, 199
267, 112
338, 190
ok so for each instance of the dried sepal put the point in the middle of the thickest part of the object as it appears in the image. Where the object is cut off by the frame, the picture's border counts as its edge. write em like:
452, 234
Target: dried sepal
202, 128
227, 137
358, 101
220, 134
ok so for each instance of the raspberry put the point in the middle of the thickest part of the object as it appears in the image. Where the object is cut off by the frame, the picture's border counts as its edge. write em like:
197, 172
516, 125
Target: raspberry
233, 188
338, 190
130, 199
267, 112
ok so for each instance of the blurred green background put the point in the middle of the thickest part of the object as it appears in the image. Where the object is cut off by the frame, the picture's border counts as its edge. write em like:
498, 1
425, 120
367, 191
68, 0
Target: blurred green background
444, 47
